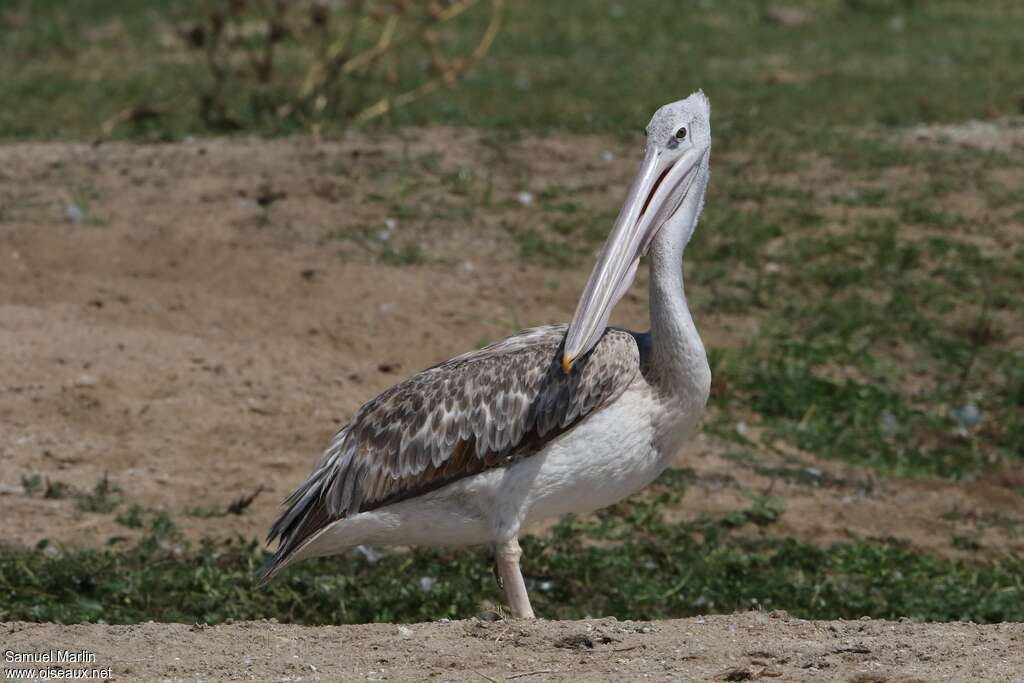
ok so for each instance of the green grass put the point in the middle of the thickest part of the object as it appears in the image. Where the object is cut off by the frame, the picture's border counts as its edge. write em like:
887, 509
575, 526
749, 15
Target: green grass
625, 562
601, 66
405, 255
131, 518
535, 247
879, 314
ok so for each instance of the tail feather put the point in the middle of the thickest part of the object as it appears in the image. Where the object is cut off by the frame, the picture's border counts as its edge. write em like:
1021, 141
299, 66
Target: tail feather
306, 512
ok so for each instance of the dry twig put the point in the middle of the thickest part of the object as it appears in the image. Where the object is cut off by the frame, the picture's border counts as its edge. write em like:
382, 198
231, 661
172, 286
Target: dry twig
344, 55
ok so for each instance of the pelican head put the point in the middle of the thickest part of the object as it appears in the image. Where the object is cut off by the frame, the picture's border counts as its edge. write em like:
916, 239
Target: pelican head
674, 172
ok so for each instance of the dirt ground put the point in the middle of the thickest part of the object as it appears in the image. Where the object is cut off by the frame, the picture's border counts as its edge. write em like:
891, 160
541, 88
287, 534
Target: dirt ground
742, 647
194, 321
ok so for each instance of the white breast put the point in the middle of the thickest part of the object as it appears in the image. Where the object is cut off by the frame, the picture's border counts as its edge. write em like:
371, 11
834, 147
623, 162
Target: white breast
613, 454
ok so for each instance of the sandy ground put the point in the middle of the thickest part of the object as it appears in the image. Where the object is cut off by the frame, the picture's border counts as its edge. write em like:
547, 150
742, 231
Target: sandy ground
741, 647
194, 321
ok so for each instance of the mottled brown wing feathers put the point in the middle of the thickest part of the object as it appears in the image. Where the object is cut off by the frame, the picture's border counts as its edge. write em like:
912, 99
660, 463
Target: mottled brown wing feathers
480, 410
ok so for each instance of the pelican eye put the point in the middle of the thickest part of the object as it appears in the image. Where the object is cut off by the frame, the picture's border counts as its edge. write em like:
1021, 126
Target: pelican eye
681, 134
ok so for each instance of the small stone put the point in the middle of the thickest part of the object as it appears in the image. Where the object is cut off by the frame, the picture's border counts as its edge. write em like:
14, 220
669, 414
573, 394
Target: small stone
887, 423
968, 415
74, 214
525, 198
85, 381
390, 225
787, 16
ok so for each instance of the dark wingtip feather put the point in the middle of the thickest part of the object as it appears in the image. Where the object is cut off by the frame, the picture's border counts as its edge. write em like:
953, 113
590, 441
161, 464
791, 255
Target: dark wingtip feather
292, 529
306, 513
274, 564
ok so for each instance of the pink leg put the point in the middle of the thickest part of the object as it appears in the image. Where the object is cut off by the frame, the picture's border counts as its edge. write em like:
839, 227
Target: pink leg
506, 558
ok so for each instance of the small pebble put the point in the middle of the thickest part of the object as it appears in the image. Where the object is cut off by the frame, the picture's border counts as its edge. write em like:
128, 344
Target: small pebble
887, 423
968, 415
390, 225
74, 214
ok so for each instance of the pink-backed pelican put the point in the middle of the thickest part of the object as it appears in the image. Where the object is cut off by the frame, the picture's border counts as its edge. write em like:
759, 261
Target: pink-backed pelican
552, 420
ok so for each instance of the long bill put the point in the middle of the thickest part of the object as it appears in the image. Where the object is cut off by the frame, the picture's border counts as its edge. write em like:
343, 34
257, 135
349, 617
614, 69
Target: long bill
656, 194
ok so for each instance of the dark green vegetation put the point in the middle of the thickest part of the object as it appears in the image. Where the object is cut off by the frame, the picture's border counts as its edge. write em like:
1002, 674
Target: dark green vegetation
886, 331
599, 66
884, 277
625, 562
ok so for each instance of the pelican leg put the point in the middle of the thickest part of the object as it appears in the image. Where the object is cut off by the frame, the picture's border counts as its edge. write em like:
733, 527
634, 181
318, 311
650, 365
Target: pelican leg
510, 577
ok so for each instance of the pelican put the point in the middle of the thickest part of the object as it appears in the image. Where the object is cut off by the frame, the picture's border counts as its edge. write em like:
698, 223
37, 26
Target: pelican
552, 420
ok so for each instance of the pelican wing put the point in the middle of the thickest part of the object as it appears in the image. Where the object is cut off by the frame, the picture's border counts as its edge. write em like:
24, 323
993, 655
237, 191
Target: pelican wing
477, 411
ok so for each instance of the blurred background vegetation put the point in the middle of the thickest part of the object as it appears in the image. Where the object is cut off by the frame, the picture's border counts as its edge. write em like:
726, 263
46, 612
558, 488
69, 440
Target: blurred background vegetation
587, 65
832, 283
